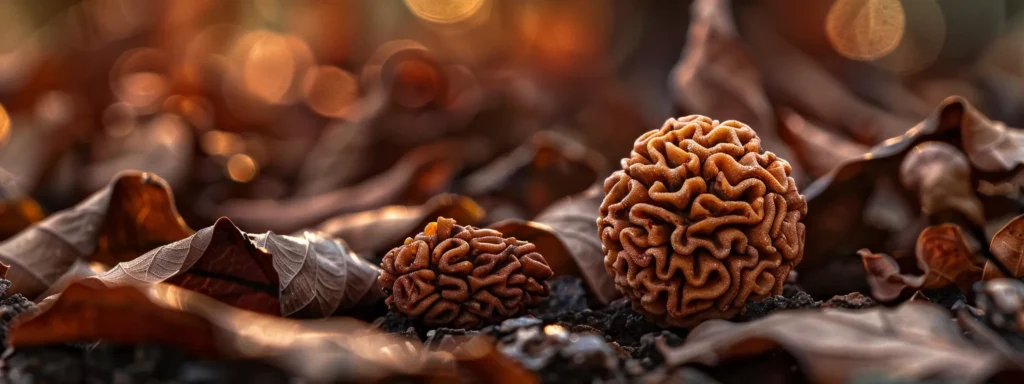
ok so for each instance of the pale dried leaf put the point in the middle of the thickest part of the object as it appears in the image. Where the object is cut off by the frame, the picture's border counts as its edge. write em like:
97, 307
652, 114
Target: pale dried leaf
914, 341
318, 274
566, 235
1008, 246
941, 177
133, 214
313, 275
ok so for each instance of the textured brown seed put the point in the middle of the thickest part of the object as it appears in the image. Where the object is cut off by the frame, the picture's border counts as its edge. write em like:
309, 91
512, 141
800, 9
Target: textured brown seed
451, 275
700, 220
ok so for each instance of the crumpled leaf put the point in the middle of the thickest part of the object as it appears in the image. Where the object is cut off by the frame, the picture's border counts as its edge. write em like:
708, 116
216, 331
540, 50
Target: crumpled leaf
377, 231
836, 201
1008, 246
914, 341
942, 255
309, 275
817, 149
546, 168
320, 350
794, 78
419, 175
17, 211
133, 214
941, 177
566, 235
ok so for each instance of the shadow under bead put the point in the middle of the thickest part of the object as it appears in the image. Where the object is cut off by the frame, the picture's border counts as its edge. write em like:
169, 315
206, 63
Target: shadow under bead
699, 221
463, 277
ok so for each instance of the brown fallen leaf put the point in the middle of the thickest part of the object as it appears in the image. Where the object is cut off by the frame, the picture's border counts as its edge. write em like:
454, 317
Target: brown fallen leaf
795, 78
1008, 246
817, 149
836, 201
546, 168
309, 275
321, 350
566, 235
17, 211
941, 177
374, 232
914, 341
419, 175
942, 255
133, 214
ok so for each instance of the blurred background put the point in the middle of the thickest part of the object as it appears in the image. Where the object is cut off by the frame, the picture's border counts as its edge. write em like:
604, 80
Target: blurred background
281, 113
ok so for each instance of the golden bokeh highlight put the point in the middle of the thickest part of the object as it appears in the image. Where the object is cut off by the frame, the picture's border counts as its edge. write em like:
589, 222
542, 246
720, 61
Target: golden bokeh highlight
865, 29
329, 90
241, 168
268, 65
220, 143
139, 79
445, 11
5, 125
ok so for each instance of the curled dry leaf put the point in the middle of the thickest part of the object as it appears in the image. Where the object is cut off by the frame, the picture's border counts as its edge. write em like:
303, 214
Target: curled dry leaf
837, 200
566, 234
322, 350
308, 276
795, 78
817, 149
1008, 246
17, 211
420, 174
133, 214
941, 177
942, 255
914, 341
374, 232
1001, 303
546, 168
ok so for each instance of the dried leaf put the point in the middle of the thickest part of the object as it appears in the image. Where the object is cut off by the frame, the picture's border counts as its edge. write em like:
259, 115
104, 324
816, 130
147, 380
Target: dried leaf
566, 235
836, 201
480, 356
321, 350
942, 255
817, 149
133, 214
795, 78
377, 231
941, 177
1008, 246
914, 341
308, 276
546, 168
419, 175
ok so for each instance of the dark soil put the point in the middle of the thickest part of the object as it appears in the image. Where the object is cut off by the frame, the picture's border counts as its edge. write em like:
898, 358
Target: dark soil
564, 340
